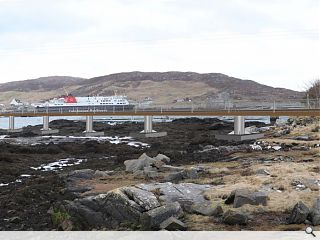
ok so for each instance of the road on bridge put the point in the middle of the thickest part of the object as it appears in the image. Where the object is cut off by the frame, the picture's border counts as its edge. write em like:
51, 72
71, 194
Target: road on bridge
171, 112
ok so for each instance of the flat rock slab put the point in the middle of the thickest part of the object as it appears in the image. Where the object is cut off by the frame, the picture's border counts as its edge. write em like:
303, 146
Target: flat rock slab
50, 131
184, 193
148, 135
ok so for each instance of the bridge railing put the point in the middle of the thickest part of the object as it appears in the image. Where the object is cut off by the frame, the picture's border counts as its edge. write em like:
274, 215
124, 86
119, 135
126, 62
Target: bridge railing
212, 105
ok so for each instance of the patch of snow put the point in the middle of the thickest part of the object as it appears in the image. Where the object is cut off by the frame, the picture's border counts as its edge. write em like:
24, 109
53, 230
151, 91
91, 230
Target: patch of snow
3, 136
16, 181
58, 165
25, 175
138, 144
256, 147
277, 148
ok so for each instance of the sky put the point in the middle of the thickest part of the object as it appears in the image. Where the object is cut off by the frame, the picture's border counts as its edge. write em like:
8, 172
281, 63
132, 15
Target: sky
274, 42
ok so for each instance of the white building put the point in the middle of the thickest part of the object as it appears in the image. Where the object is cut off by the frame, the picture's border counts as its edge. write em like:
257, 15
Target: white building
16, 103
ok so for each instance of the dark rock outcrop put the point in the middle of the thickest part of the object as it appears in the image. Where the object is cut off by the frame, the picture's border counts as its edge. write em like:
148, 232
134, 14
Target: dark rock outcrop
206, 209
173, 224
233, 218
153, 218
240, 197
145, 205
315, 213
299, 213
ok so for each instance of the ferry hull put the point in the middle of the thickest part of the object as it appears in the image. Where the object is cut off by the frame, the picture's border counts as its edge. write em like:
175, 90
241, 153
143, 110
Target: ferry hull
106, 108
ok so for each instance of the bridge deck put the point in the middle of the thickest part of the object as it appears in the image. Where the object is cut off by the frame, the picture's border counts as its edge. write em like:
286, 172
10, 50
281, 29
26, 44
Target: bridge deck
269, 112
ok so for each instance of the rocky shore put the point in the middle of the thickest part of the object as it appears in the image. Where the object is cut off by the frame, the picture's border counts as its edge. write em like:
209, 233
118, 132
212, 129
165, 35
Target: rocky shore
186, 180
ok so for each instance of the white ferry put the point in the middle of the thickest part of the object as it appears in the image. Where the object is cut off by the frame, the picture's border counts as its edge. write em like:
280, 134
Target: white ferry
72, 103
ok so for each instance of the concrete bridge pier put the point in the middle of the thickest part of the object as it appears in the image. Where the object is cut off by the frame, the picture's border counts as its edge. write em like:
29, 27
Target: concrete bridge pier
11, 123
240, 133
12, 128
89, 132
148, 129
148, 124
239, 125
45, 129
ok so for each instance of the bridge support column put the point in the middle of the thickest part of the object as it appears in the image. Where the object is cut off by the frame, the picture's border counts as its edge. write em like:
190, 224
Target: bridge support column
11, 123
45, 129
89, 132
148, 124
240, 133
239, 125
12, 128
148, 130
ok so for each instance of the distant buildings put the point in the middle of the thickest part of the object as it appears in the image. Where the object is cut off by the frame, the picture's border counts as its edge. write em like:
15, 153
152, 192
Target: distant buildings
16, 102
180, 100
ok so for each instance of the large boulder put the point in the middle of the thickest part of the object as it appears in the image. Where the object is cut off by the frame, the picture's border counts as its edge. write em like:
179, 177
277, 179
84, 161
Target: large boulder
313, 184
263, 172
138, 164
174, 177
153, 218
240, 197
299, 213
172, 224
158, 164
118, 206
102, 174
315, 213
81, 174
84, 216
206, 209
145, 199
162, 158
235, 218
190, 173
150, 172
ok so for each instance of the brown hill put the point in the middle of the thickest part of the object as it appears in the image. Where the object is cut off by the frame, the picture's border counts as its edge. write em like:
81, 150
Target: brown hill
163, 87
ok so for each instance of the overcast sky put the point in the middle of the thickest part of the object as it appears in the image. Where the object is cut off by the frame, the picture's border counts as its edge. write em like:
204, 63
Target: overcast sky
275, 42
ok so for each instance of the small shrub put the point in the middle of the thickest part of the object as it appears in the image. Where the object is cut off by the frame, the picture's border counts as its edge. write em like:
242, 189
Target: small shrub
58, 217
316, 129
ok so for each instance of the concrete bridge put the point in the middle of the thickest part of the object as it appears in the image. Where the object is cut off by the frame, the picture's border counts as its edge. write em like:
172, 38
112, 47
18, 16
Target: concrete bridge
148, 113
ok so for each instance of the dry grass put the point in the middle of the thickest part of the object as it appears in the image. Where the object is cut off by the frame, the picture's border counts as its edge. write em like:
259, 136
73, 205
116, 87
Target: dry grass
282, 175
167, 91
298, 131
